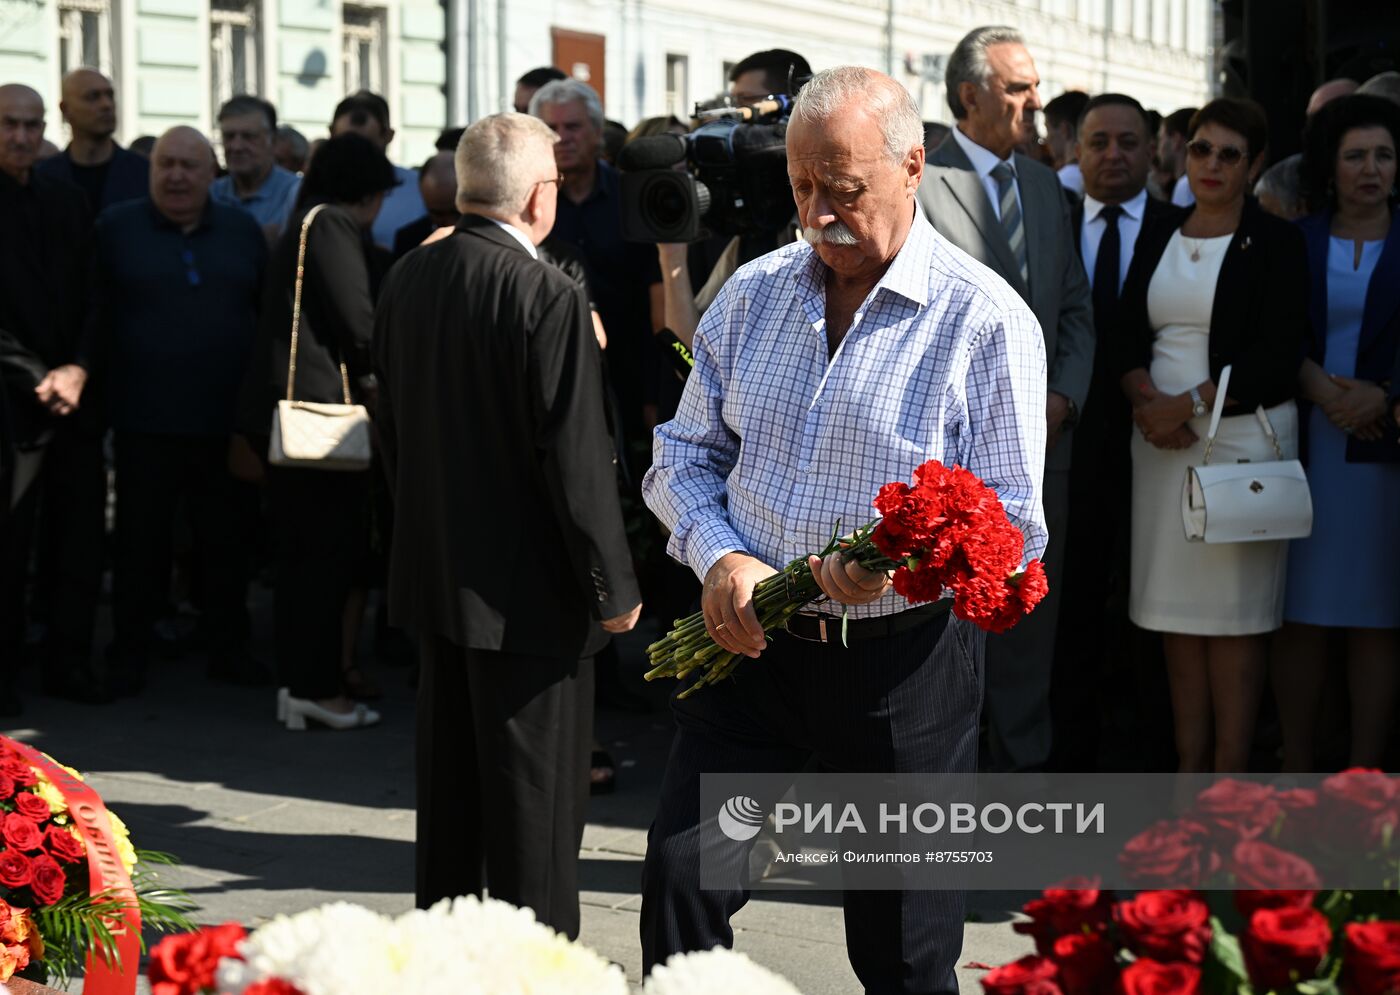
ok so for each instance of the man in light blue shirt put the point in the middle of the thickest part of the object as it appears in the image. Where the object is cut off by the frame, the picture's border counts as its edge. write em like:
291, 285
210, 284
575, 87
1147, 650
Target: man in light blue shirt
254, 182
367, 114
824, 370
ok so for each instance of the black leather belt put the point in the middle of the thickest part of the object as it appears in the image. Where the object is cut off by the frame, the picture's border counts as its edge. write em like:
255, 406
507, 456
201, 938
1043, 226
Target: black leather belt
820, 627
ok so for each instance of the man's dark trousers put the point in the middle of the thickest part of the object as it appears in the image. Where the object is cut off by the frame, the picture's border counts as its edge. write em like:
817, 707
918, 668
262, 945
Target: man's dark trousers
154, 472
897, 704
503, 748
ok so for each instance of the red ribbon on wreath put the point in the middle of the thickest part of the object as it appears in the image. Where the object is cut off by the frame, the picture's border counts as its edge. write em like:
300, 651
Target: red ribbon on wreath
105, 874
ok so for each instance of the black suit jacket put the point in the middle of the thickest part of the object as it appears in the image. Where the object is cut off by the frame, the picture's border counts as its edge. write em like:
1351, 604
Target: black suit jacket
508, 534
128, 176
337, 318
1259, 320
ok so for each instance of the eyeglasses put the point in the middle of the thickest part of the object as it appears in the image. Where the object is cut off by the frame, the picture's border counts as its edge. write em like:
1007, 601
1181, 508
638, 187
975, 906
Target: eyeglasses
1227, 154
558, 179
191, 270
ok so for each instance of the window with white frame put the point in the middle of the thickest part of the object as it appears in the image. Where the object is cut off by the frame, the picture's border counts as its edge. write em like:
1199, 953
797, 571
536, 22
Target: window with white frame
235, 64
84, 35
363, 50
678, 86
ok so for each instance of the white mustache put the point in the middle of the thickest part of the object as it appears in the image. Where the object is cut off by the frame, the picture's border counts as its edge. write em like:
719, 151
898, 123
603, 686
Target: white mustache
835, 233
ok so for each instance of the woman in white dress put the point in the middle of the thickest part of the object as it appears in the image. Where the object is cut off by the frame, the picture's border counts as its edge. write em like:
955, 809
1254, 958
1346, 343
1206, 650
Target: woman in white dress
1224, 285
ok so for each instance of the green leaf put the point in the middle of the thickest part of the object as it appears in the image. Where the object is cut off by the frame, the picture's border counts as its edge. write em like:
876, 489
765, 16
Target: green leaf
1224, 970
1318, 986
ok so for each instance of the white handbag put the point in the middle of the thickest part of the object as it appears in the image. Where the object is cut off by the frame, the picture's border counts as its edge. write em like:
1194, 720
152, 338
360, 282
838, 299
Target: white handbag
310, 435
1245, 501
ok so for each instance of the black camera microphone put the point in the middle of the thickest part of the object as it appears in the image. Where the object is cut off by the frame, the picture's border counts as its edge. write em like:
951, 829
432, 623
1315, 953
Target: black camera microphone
654, 152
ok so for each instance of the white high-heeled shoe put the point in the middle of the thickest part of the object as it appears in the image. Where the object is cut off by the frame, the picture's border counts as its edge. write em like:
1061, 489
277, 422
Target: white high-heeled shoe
295, 712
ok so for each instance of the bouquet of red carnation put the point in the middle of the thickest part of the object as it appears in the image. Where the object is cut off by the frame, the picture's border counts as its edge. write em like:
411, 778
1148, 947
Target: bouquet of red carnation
947, 538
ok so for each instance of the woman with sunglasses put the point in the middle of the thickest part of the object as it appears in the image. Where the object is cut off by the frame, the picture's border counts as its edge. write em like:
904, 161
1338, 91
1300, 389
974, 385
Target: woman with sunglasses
1342, 585
321, 519
1222, 285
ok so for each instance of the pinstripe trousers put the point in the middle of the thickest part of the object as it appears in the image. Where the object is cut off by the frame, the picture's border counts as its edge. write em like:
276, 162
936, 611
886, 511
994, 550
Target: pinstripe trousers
905, 703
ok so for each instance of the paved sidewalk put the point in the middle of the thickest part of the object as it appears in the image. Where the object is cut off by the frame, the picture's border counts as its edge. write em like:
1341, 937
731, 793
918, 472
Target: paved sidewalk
269, 821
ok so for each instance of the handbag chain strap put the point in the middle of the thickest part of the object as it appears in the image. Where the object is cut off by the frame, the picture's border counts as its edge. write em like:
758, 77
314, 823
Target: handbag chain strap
1259, 413
296, 312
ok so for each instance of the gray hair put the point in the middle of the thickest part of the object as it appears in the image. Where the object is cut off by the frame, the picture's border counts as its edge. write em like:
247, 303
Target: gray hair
494, 160
1386, 84
569, 91
297, 140
1284, 182
832, 90
968, 63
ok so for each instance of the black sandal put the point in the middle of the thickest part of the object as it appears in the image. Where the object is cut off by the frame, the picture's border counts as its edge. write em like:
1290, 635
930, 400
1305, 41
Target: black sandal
602, 773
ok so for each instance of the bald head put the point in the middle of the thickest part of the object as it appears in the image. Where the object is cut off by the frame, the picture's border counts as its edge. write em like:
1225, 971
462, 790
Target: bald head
1328, 92
182, 167
89, 105
437, 181
21, 129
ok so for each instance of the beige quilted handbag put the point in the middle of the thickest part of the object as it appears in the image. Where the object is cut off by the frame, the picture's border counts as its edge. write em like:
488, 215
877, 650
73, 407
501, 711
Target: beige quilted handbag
309, 435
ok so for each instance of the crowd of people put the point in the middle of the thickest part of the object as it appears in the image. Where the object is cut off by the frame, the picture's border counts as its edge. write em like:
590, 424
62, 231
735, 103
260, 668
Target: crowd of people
145, 328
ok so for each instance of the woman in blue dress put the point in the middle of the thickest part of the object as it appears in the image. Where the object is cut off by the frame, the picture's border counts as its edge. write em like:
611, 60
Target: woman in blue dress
1343, 583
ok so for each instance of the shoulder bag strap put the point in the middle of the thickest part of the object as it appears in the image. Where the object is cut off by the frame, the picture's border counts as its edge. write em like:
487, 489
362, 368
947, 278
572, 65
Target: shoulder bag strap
296, 311
1216, 412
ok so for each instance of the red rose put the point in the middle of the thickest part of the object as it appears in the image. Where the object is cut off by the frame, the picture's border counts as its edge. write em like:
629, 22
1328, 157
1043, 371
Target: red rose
7, 786
223, 941
1285, 946
1371, 958
1173, 853
15, 870
1250, 902
1264, 867
1146, 976
21, 832
48, 880
29, 804
1085, 961
63, 845
1165, 926
1071, 908
19, 772
1031, 975
1237, 810
1360, 787
272, 986
189, 963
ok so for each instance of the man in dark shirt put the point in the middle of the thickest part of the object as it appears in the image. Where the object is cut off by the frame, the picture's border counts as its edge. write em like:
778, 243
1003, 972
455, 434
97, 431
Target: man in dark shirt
177, 286
437, 183
107, 173
51, 405
625, 277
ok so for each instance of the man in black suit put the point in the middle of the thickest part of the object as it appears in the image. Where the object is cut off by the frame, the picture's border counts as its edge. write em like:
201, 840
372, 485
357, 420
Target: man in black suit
509, 547
1115, 155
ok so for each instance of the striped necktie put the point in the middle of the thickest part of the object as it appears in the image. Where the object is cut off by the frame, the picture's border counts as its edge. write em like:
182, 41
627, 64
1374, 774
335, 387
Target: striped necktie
1011, 216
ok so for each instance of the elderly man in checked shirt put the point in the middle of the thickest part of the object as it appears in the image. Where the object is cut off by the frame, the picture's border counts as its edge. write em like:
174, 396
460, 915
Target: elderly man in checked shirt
822, 371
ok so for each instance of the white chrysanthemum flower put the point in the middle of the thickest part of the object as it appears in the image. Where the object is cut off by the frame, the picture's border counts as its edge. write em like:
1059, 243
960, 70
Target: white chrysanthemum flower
719, 970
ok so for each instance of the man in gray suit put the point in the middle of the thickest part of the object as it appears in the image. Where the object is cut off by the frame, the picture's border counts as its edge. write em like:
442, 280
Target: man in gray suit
1010, 213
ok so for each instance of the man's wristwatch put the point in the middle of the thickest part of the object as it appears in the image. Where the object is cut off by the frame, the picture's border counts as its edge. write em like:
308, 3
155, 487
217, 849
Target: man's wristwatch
1198, 405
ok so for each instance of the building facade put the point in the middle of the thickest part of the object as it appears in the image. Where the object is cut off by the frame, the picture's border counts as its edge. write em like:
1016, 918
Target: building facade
448, 61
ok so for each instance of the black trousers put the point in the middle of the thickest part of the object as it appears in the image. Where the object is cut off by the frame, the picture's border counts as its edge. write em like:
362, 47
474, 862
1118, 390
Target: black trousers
901, 704
154, 472
503, 744
64, 512
321, 520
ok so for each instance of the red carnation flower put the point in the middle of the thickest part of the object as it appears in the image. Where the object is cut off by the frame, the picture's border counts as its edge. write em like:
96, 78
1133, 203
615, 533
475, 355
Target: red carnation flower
1031, 975
21, 832
29, 804
183, 965
1165, 925
1285, 946
48, 880
63, 845
15, 869
1371, 958
1146, 976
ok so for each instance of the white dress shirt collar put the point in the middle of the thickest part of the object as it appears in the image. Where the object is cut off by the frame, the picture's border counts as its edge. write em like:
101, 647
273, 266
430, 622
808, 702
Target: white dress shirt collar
1132, 209
983, 160
519, 236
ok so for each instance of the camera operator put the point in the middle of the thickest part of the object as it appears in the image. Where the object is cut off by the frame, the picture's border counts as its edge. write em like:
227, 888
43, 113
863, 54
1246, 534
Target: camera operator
714, 260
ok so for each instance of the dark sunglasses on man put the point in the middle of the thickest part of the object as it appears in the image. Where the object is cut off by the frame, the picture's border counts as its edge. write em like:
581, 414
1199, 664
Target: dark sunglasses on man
1227, 154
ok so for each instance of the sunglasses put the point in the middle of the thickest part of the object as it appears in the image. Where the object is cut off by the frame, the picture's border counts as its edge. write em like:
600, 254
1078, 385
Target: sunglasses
1227, 154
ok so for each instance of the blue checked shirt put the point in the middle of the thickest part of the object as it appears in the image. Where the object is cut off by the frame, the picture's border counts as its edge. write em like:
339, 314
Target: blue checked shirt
773, 444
